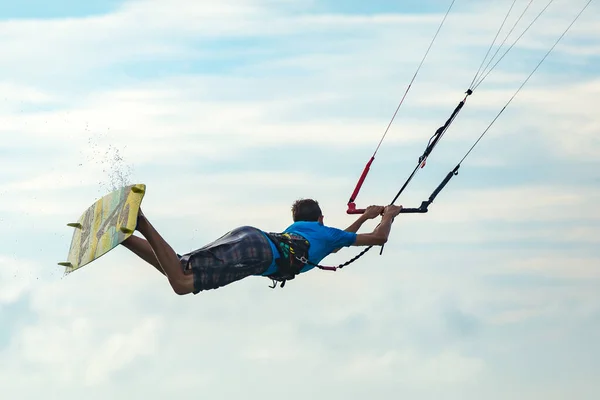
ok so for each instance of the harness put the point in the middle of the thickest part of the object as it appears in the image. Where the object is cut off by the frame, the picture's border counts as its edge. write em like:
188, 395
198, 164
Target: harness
293, 256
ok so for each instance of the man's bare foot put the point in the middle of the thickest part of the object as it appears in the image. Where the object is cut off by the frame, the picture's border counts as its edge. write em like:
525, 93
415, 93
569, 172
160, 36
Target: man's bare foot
140, 218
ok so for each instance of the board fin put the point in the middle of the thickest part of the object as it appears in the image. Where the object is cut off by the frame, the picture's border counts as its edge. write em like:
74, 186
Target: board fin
75, 225
66, 264
125, 230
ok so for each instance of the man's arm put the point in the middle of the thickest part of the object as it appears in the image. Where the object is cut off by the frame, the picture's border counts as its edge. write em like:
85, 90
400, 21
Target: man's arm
380, 234
370, 213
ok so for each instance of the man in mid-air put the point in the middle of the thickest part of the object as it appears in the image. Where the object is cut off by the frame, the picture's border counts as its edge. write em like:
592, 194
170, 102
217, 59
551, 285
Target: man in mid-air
249, 251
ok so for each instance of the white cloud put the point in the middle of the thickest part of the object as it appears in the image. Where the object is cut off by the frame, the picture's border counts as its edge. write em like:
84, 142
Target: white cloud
449, 367
16, 276
556, 266
120, 350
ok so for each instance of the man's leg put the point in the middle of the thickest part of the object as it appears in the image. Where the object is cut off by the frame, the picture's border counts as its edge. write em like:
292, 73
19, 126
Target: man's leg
142, 249
166, 257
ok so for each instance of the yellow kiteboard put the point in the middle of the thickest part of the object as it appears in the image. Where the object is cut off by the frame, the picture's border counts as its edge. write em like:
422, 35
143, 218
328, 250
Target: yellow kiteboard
104, 225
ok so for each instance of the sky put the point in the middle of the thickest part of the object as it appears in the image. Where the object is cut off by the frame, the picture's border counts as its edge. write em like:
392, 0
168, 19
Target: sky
229, 111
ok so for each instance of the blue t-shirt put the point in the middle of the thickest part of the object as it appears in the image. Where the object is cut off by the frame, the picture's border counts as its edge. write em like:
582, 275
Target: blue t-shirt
323, 241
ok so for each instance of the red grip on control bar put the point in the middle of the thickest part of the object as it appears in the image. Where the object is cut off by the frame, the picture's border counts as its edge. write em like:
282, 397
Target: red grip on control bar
361, 180
351, 206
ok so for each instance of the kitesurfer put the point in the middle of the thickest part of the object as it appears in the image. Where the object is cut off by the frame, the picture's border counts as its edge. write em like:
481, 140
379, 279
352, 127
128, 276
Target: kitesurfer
249, 251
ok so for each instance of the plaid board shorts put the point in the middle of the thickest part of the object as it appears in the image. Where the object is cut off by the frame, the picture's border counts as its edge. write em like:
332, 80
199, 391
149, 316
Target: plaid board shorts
240, 253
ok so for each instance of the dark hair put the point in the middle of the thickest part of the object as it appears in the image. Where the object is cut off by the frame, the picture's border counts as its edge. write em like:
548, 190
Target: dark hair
306, 210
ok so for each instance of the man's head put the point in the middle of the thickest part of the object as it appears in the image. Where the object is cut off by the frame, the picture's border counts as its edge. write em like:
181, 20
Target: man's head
306, 210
